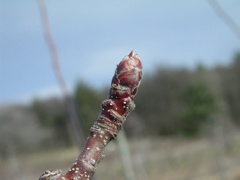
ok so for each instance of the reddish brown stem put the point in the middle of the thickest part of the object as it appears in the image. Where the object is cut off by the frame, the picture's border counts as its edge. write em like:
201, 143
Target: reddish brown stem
124, 86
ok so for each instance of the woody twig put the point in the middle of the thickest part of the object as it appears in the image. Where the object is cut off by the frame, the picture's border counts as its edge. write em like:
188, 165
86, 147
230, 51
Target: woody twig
124, 87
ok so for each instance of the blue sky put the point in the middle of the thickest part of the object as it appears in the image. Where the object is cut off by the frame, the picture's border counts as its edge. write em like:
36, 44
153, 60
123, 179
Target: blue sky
93, 36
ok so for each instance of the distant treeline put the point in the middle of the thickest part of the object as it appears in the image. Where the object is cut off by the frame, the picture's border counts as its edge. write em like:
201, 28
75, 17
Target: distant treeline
170, 102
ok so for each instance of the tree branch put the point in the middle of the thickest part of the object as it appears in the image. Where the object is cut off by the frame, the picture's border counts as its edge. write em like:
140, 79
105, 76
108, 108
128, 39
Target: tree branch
70, 105
124, 87
223, 15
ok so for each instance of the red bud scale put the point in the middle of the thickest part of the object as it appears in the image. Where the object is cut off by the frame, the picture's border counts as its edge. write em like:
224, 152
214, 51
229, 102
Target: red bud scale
124, 87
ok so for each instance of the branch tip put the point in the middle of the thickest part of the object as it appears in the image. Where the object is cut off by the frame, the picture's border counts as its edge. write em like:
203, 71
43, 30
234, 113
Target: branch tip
115, 110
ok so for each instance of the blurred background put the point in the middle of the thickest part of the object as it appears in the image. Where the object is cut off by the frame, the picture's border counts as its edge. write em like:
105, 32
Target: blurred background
187, 118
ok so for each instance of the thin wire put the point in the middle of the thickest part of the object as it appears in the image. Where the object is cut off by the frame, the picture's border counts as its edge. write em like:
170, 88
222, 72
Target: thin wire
223, 15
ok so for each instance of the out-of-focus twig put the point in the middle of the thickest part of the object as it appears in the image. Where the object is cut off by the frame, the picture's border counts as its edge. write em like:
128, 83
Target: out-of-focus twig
71, 108
223, 15
125, 156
